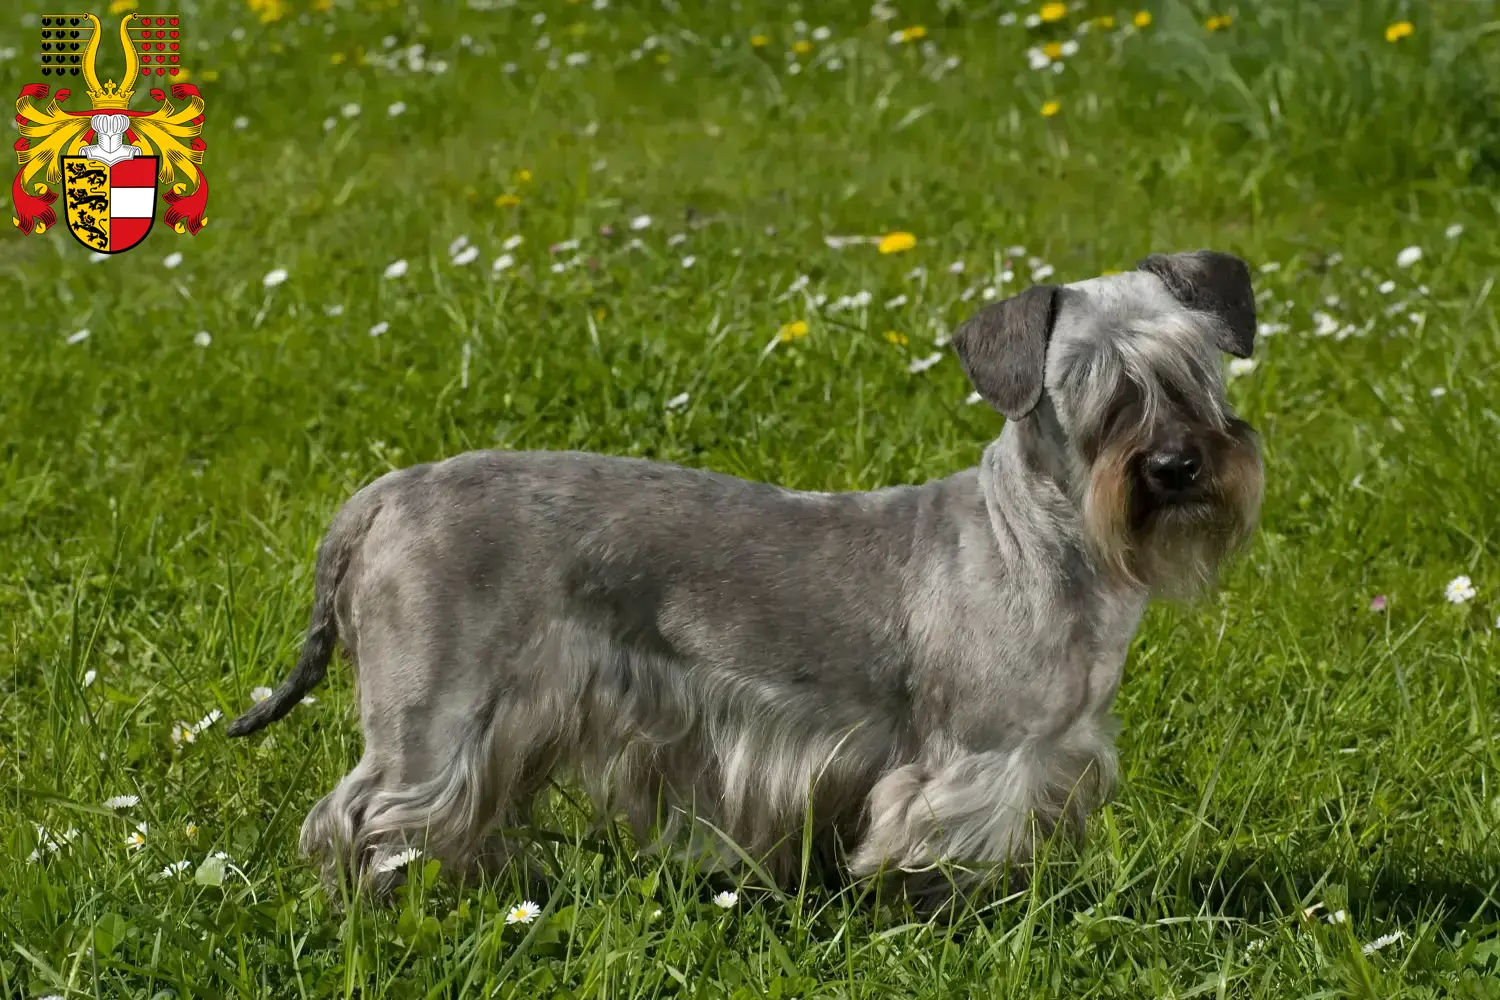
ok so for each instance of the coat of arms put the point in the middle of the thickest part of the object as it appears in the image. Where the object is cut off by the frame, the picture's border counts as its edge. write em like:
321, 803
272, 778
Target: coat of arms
110, 160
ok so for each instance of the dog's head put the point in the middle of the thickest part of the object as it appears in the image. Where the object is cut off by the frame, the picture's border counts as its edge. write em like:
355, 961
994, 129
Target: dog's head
1122, 374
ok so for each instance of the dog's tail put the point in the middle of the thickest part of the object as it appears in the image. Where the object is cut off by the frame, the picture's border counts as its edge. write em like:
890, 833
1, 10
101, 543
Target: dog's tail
348, 530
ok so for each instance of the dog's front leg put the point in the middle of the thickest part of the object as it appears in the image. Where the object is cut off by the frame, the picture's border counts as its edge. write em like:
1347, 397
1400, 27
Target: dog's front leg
960, 822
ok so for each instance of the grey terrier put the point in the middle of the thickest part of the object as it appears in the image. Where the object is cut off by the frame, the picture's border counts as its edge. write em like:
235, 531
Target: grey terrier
919, 676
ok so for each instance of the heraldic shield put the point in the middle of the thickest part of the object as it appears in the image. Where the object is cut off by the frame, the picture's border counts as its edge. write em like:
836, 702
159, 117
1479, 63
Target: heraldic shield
110, 206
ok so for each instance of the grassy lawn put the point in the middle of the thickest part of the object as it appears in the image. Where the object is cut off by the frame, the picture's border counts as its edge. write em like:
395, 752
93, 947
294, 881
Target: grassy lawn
620, 227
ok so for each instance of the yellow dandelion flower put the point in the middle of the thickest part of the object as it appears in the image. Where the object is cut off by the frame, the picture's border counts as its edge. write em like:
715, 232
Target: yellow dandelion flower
507, 201
894, 337
759, 41
1051, 108
802, 46
191, 830
1053, 12
1143, 19
121, 6
337, 58
897, 242
1105, 21
1219, 22
1053, 50
795, 330
523, 176
913, 33
1398, 31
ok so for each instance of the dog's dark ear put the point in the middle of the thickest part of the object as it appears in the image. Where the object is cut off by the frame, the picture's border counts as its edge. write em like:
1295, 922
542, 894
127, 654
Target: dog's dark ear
1003, 349
1215, 283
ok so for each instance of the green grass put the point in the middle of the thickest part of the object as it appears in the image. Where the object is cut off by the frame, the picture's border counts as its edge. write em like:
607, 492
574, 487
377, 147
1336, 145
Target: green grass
1284, 746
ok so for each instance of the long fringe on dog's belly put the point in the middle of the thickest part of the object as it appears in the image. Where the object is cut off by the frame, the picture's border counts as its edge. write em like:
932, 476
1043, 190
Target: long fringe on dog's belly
677, 746
653, 739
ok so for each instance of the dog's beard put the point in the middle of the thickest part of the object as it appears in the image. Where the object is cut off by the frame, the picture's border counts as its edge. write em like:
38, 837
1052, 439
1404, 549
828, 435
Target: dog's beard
1174, 550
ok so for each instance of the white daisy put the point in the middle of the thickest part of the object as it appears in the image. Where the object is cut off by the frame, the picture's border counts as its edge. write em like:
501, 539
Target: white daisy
137, 838
1338, 916
922, 364
1008, 19
1459, 590
523, 913
350, 110
689, 261
957, 267
1454, 231
274, 277
577, 58
640, 222
336, 309
1037, 59
174, 869
119, 802
726, 900
822, 34
396, 109
398, 860
89, 676
466, 256
1387, 287
459, 242
171, 260
1406, 258
379, 328
1242, 366
511, 242
79, 336
330, 123
973, 397
260, 694
1041, 272
1384, 941
396, 269
676, 239
504, 262
203, 338
678, 401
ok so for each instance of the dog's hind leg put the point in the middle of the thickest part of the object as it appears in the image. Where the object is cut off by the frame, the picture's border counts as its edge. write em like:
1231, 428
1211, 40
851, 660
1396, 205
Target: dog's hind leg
450, 752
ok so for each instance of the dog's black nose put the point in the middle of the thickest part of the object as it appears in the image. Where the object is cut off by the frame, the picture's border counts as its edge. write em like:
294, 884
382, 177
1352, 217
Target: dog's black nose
1173, 471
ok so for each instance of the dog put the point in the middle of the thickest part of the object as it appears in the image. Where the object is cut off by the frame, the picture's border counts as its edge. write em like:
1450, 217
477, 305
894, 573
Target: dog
920, 676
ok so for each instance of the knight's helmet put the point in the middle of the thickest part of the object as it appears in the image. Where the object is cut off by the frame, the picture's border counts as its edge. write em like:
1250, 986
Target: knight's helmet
152, 43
